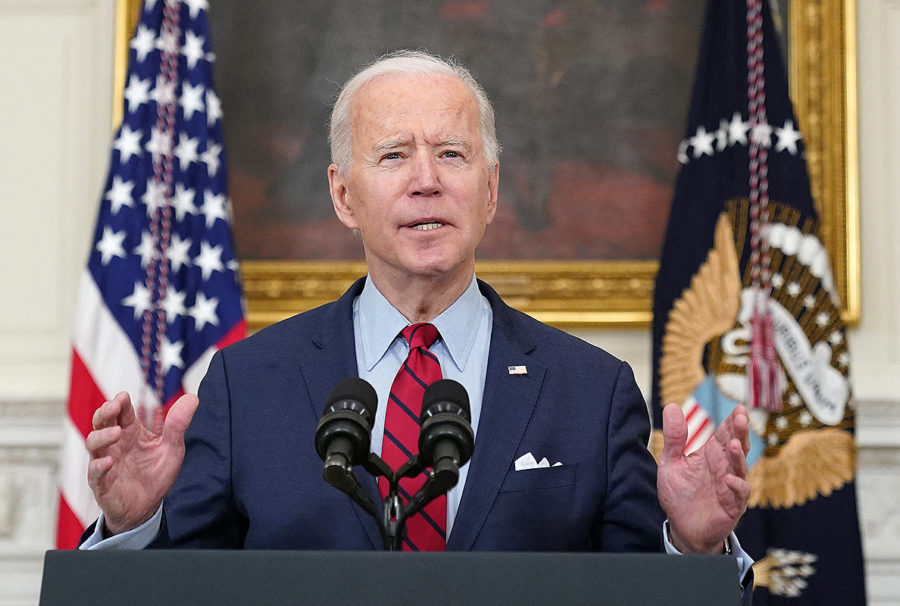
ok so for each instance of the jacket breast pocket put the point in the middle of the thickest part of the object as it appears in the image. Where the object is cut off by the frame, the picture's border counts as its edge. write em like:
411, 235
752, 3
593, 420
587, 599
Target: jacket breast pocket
539, 479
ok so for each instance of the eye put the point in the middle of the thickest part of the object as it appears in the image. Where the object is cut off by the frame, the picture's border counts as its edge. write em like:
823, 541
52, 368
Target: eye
451, 154
391, 156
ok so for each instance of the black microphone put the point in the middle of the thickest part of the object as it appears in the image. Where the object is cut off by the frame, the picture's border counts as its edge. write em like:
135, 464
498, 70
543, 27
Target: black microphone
446, 440
344, 432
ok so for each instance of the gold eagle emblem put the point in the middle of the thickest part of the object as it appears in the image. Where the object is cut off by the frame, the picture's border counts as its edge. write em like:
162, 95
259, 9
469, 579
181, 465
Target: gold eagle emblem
707, 336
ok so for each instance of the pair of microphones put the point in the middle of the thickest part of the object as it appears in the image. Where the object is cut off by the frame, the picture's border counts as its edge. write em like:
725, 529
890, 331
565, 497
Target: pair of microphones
343, 440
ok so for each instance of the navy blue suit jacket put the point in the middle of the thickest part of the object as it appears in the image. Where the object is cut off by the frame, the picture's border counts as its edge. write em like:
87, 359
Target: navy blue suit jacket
252, 479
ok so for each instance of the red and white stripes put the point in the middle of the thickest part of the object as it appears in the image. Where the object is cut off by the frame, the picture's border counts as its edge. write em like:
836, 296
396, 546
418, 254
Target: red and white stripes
104, 362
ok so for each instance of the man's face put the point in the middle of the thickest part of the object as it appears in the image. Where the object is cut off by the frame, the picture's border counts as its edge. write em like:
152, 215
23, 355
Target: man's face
419, 188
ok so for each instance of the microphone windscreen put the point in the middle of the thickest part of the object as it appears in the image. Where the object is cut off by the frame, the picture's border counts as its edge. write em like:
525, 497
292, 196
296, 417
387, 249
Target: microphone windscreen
354, 388
447, 390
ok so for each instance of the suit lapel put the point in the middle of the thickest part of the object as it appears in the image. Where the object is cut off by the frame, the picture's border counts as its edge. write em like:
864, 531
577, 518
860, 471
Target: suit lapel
506, 408
333, 358
333, 352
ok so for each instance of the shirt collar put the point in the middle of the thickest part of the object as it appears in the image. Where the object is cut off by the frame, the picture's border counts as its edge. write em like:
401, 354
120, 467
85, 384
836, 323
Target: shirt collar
381, 323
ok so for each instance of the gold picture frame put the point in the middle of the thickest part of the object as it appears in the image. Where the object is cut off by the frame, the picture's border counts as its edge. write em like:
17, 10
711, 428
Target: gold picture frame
607, 294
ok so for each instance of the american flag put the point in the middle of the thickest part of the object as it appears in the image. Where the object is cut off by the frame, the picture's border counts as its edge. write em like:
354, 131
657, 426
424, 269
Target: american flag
161, 291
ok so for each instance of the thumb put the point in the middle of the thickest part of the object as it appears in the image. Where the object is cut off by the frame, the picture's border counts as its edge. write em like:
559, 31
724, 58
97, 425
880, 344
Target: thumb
675, 432
178, 419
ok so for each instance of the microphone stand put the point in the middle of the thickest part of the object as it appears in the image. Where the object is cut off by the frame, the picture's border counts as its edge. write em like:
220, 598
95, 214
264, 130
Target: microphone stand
446, 440
394, 513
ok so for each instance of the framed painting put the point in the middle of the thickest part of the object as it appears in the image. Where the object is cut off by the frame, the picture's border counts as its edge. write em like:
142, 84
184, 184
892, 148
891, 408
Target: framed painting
591, 100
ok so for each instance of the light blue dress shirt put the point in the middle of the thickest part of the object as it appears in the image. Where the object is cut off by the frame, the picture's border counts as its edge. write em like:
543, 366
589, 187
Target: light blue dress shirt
462, 349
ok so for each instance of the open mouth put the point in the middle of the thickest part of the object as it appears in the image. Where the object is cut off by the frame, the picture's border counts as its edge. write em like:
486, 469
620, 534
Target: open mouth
427, 226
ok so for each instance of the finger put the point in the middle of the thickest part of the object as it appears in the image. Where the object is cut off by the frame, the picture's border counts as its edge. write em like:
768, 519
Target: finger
740, 488
734, 426
126, 416
97, 470
107, 413
100, 439
737, 459
742, 427
675, 432
178, 419
725, 429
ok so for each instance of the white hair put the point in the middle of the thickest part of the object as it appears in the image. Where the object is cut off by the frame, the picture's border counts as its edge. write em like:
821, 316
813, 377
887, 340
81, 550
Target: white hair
409, 62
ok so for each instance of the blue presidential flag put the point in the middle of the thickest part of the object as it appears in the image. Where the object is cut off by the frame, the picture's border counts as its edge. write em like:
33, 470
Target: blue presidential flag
746, 312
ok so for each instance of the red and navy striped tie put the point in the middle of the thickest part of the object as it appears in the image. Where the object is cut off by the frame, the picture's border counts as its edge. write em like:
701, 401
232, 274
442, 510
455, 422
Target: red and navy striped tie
426, 530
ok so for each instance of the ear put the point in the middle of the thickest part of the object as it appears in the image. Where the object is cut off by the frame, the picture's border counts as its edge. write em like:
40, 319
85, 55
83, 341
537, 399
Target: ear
340, 197
493, 192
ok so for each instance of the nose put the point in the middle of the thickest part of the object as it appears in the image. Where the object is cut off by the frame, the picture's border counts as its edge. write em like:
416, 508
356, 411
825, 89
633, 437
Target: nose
425, 180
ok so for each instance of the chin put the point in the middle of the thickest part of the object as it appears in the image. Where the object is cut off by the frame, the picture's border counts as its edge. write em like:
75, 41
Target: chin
434, 265
431, 270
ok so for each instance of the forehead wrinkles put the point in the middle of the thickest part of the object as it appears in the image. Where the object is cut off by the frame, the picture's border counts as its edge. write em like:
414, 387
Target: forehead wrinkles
394, 108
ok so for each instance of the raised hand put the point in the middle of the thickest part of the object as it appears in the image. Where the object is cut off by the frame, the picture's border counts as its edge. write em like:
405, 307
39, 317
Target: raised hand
705, 493
131, 468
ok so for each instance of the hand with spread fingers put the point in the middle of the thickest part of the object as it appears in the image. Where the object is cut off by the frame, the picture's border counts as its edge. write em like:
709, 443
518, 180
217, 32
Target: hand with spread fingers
131, 468
705, 493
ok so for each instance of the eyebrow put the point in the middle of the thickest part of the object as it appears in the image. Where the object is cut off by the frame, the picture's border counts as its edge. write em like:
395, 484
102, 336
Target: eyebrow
398, 142
389, 144
454, 142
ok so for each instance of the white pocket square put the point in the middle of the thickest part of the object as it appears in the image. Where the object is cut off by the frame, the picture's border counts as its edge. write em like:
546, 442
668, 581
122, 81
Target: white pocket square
527, 461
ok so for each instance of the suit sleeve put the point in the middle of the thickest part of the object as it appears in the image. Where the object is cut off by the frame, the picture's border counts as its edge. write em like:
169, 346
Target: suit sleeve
199, 511
631, 518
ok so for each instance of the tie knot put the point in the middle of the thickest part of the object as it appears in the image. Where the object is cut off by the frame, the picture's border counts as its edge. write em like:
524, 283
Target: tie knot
420, 335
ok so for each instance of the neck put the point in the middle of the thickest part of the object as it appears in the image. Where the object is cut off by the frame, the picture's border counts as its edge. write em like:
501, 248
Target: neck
422, 298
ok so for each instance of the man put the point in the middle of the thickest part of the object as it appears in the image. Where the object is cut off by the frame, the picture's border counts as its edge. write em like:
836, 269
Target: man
415, 170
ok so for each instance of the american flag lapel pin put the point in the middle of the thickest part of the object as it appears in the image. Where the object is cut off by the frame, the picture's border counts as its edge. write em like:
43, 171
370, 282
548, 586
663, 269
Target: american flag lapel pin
517, 370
